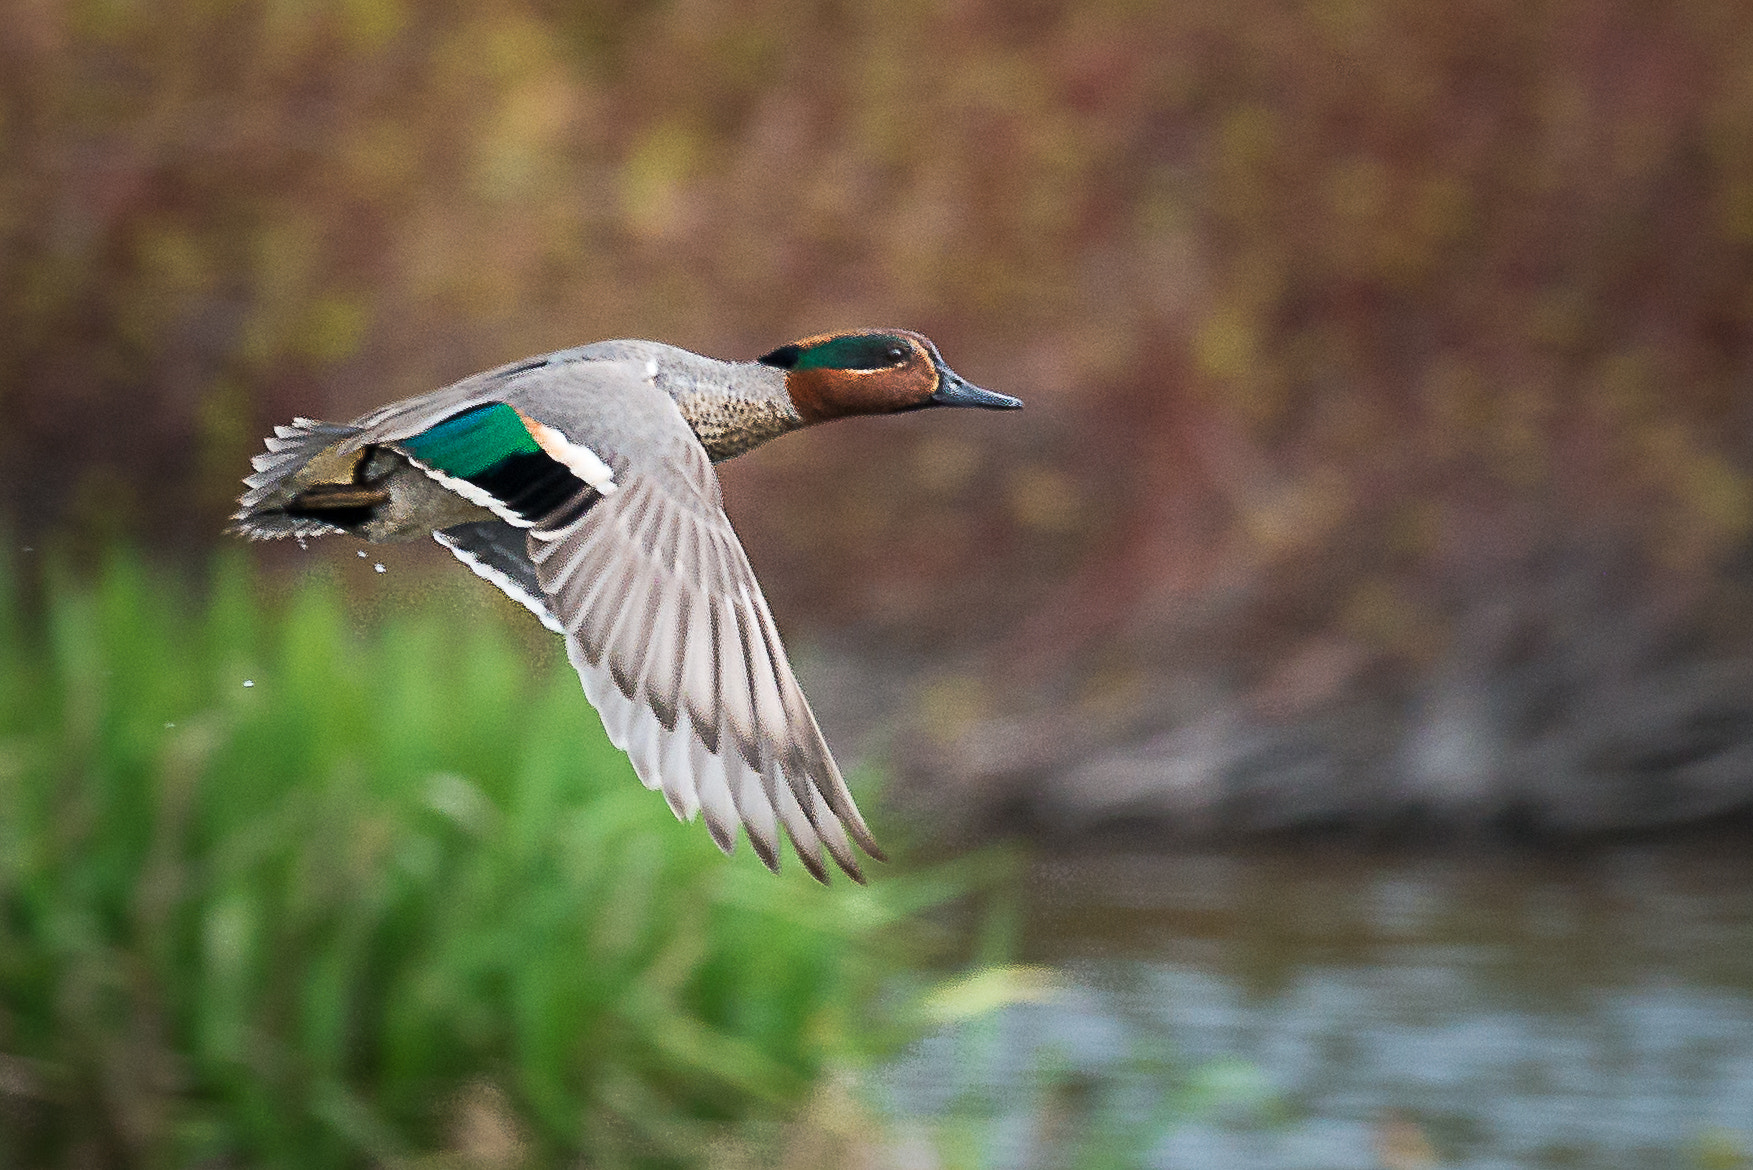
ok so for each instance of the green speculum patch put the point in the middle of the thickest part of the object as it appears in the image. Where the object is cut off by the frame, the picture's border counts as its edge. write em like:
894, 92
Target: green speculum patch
468, 444
490, 447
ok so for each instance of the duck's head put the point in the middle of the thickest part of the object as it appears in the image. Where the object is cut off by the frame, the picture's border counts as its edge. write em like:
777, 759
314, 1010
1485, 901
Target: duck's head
873, 371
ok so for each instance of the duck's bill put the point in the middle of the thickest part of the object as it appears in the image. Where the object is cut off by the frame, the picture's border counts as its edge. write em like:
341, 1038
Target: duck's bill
953, 390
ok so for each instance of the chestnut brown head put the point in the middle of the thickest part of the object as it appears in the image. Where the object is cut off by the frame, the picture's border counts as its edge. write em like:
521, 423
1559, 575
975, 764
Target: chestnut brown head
873, 371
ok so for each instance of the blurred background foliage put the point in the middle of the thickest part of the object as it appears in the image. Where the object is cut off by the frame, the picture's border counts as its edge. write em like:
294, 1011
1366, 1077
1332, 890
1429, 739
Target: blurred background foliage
1342, 325
1389, 456
1276, 280
280, 889
1273, 277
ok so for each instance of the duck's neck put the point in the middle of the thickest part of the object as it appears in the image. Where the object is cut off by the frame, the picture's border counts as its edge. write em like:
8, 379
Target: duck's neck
733, 407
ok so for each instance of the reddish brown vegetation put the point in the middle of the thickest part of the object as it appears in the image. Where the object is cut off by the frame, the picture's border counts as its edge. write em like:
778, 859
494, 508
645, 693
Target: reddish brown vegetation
1343, 326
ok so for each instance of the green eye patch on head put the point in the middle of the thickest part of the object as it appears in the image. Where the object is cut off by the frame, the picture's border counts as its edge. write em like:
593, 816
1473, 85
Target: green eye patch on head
859, 351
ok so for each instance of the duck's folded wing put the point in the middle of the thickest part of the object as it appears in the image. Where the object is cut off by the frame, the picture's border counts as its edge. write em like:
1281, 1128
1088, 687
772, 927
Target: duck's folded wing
678, 652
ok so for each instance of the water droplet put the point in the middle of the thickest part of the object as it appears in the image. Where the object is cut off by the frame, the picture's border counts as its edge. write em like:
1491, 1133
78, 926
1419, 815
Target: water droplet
379, 567
249, 682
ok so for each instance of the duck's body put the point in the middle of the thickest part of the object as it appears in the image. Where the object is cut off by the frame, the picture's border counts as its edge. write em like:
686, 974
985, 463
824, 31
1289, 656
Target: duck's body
581, 483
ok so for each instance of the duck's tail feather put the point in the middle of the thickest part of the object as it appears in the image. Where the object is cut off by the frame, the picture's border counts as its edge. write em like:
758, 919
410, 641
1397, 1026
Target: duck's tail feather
262, 511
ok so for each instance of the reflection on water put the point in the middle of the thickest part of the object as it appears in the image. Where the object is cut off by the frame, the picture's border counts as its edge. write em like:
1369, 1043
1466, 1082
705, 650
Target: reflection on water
1314, 1009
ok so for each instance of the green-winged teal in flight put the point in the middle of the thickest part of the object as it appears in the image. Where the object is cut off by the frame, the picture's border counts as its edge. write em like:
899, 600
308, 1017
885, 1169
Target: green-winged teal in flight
581, 484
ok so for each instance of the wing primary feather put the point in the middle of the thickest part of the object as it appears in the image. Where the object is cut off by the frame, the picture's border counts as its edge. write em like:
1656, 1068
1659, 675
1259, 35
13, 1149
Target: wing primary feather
732, 688
679, 769
723, 686
664, 656
598, 689
812, 746
647, 649
596, 603
771, 722
741, 714
636, 512
700, 675
669, 542
719, 810
770, 713
679, 793
679, 782
573, 601
624, 643
645, 749
833, 835
758, 817
804, 840
651, 534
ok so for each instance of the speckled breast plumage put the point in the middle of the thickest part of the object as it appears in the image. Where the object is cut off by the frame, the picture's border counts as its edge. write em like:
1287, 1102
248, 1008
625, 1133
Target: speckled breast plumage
728, 425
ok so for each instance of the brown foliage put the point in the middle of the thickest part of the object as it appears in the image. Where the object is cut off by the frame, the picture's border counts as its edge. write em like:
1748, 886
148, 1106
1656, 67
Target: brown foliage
1338, 307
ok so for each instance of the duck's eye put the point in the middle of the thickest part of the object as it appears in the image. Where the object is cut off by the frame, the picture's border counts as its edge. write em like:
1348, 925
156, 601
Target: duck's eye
897, 354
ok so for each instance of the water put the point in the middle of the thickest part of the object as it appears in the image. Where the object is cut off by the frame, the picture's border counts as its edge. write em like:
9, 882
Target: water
1316, 1008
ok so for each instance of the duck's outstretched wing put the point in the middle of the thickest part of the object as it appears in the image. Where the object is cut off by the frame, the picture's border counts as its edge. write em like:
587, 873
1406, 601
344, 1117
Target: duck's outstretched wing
637, 566
667, 627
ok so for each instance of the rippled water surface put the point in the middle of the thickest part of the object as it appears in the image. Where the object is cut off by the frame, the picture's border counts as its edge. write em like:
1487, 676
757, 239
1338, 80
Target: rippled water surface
1322, 1009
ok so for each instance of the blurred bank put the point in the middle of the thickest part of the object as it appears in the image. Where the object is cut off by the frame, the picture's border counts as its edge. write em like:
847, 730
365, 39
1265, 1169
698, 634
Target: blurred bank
1387, 453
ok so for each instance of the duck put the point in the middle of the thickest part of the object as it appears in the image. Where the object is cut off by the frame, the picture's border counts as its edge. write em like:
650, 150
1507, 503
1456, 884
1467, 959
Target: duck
582, 484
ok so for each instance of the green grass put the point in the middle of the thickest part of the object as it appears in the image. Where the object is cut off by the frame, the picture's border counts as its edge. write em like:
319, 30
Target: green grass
396, 901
